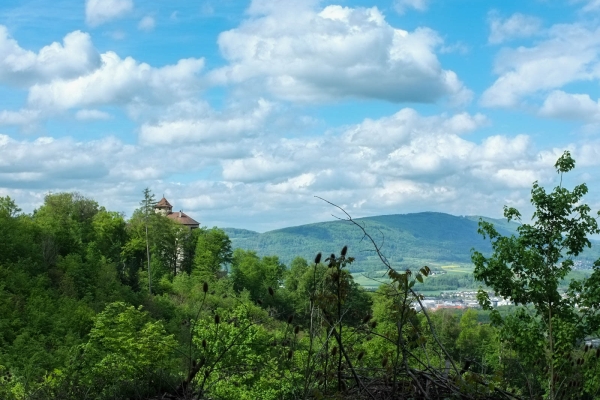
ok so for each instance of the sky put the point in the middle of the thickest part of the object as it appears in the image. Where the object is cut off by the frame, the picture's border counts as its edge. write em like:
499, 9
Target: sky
241, 112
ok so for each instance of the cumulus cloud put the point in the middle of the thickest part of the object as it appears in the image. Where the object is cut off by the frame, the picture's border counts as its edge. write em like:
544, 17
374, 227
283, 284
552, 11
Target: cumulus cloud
301, 53
429, 152
570, 54
516, 26
432, 150
258, 167
50, 163
98, 12
119, 82
571, 106
199, 123
30, 163
400, 163
147, 24
74, 57
402, 5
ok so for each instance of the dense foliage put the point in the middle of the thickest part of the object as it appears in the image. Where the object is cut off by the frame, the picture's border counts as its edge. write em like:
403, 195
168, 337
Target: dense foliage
93, 306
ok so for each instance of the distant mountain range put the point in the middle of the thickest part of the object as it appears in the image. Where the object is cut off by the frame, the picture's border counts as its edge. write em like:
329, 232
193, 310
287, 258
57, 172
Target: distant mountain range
407, 240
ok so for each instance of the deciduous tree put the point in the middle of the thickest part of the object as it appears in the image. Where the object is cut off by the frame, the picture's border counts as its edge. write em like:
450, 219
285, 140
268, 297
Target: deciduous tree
527, 269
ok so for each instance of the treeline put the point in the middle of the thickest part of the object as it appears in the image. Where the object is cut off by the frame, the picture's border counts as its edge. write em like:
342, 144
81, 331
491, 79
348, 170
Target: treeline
450, 282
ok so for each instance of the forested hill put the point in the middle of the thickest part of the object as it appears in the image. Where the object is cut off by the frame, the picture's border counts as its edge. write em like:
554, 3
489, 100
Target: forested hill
410, 239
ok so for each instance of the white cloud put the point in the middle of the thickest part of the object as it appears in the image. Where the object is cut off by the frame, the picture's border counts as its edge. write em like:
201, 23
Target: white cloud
259, 167
428, 152
406, 124
73, 75
30, 163
411, 163
58, 162
98, 12
74, 57
119, 82
588, 155
570, 54
402, 5
302, 54
201, 124
26, 118
87, 115
147, 24
571, 106
513, 27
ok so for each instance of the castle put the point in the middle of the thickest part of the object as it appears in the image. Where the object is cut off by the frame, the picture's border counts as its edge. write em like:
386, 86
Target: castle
165, 208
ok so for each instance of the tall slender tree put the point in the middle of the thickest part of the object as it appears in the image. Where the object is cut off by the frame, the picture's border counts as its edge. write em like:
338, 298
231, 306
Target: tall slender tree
147, 204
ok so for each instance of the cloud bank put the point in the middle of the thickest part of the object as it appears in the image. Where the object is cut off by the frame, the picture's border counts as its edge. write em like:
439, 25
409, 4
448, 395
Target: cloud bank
305, 54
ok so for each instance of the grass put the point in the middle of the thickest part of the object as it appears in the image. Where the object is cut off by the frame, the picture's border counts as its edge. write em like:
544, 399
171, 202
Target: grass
371, 280
457, 269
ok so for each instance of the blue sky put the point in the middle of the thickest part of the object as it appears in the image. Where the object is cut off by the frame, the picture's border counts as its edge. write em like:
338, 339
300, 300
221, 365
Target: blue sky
241, 112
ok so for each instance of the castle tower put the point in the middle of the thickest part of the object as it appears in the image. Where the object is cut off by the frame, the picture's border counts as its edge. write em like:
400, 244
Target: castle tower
163, 207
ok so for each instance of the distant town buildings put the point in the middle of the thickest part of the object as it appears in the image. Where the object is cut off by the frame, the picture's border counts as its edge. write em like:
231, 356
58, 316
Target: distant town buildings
458, 300
165, 208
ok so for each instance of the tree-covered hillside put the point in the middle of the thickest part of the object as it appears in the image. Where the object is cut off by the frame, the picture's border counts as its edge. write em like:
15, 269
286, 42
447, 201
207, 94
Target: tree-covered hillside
406, 239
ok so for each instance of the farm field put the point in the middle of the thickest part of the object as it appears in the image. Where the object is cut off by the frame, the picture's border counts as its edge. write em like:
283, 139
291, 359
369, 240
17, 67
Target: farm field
457, 269
372, 280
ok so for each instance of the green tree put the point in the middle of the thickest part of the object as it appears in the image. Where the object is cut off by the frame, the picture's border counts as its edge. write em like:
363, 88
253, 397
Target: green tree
126, 349
8, 207
476, 341
147, 207
298, 267
110, 233
65, 220
250, 272
528, 268
213, 250
16, 231
446, 323
161, 246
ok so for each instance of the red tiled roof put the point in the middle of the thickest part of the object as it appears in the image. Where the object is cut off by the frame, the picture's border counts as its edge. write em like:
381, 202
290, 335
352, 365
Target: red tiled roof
182, 218
163, 203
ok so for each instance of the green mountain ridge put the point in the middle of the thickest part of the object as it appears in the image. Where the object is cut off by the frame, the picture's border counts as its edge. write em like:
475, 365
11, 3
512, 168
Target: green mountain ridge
407, 240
